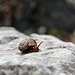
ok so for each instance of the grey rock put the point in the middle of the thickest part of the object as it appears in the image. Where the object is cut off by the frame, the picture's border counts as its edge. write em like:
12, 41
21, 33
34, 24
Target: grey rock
55, 58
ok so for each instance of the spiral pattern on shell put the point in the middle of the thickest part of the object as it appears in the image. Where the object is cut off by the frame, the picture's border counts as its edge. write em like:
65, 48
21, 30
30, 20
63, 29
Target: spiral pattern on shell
23, 45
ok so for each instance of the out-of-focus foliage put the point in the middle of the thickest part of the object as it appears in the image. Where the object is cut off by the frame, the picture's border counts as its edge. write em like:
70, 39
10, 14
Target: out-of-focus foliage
42, 16
10, 9
54, 31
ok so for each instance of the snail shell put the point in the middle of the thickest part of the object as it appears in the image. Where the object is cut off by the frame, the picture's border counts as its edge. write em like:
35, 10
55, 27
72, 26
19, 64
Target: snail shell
25, 44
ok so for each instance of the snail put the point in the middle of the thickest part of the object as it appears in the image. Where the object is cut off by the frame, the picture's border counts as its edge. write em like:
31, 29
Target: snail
28, 46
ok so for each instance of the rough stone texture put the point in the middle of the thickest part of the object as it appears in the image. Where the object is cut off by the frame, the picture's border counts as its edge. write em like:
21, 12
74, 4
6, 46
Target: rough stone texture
55, 58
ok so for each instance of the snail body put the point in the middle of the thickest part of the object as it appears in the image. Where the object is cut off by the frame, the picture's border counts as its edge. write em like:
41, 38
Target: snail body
28, 45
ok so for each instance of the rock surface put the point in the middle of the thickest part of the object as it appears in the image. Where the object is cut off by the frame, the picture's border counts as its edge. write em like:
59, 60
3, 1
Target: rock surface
55, 58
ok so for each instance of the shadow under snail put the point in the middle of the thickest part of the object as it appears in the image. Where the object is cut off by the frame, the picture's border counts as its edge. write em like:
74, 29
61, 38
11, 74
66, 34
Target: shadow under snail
28, 46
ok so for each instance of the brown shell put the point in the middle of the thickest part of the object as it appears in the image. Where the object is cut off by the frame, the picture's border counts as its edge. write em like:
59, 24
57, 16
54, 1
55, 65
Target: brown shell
24, 44
32, 42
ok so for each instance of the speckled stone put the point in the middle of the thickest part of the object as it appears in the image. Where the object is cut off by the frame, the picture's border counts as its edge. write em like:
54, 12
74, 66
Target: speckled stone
55, 58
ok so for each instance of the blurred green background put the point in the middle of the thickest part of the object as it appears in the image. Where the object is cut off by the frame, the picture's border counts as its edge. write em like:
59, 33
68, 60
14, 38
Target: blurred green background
52, 17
